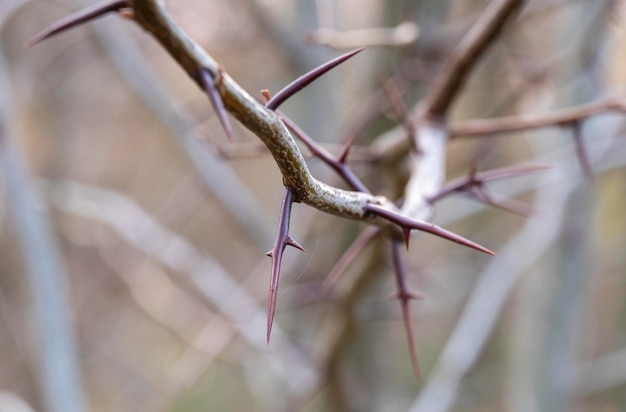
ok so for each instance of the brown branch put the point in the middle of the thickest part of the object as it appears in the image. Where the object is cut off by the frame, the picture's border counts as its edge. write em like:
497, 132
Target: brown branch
509, 124
482, 34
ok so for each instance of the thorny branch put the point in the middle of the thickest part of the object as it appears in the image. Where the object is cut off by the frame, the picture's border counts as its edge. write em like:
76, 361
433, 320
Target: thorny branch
429, 138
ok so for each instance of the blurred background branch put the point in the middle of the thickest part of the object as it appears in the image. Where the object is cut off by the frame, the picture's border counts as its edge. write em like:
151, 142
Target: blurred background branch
162, 236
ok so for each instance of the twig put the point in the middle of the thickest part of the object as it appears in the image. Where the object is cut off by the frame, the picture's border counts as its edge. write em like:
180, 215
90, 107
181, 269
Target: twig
483, 33
58, 373
176, 253
402, 35
489, 127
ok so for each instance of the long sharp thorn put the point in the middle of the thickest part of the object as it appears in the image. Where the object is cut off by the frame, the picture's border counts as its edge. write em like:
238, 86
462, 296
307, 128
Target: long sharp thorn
210, 87
406, 222
271, 303
282, 239
408, 325
306, 79
405, 297
78, 18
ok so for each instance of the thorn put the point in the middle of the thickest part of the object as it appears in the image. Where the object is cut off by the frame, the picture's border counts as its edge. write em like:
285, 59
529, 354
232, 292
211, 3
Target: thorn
210, 87
76, 19
337, 165
405, 222
306, 79
407, 236
266, 95
404, 296
292, 242
269, 254
282, 239
408, 326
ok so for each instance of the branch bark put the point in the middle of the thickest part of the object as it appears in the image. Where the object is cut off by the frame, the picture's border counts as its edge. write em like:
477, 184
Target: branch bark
153, 16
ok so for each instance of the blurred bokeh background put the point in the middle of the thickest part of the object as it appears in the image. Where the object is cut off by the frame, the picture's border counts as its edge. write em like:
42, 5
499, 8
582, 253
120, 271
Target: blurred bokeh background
132, 267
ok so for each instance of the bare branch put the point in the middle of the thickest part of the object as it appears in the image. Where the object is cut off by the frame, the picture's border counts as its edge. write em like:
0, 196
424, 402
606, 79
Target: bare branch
402, 35
488, 127
482, 34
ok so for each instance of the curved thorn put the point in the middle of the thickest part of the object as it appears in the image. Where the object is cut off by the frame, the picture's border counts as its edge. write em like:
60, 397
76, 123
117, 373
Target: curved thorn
406, 222
306, 79
76, 19
210, 87
405, 296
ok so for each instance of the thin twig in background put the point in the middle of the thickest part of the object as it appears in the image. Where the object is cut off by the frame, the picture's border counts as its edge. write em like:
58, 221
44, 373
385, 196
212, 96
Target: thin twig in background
174, 252
217, 175
58, 368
